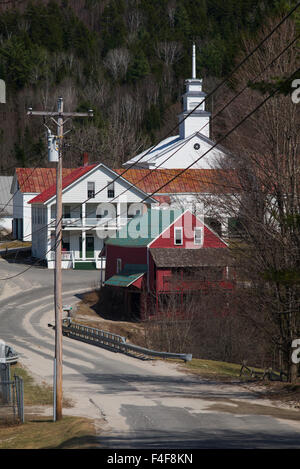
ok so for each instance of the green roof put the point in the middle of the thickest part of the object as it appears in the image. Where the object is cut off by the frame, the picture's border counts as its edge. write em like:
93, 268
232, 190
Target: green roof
127, 276
143, 229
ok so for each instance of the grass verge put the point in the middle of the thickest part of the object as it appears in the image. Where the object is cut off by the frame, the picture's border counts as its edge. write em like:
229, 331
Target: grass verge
14, 244
41, 433
215, 369
35, 394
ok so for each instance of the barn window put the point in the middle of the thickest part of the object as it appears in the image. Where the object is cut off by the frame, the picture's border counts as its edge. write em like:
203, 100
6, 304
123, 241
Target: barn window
178, 235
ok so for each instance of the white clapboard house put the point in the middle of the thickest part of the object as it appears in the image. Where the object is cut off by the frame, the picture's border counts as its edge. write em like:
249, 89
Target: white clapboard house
96, 203
26, 184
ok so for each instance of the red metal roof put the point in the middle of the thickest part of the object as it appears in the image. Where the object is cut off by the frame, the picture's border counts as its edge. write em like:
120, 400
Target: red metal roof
191, 181
36, 180
67, 180
43, 180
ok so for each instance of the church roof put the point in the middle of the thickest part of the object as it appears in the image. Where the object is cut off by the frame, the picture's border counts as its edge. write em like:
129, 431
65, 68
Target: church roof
166, 151
153, 152
191, 181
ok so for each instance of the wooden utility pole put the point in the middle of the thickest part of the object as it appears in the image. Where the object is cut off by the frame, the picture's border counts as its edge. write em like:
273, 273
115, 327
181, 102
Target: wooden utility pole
58, 274
58, 241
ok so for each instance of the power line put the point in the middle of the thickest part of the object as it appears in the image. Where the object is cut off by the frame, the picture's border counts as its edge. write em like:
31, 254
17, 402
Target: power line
170, 156
210, 94
185, 169
207, 97
219, 141
216, 115
229, 132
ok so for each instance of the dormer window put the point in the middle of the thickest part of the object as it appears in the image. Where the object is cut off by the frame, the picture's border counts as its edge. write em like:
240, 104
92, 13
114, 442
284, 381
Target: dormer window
90, 190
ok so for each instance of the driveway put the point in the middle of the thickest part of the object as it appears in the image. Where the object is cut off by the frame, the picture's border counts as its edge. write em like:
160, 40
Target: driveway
135, 404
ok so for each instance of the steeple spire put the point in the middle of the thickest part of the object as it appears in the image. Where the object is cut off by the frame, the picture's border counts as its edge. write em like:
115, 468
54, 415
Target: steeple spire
194, 100
194, 62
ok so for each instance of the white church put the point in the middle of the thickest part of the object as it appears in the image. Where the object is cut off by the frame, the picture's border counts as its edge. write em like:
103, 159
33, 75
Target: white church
186, 149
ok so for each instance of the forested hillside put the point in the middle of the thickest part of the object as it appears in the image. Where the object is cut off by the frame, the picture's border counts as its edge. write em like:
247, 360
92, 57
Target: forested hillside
126, 59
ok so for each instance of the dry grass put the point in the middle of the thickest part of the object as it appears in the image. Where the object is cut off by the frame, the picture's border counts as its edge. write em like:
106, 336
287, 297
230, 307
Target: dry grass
41, 433
14, 244
35, 394
88, 313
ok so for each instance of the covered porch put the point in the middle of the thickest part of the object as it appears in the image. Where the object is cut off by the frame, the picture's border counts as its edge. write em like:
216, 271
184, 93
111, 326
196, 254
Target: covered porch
80, 250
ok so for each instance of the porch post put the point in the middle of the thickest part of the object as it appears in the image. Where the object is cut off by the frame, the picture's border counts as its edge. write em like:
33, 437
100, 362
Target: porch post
83, 245
83, 214
118, 220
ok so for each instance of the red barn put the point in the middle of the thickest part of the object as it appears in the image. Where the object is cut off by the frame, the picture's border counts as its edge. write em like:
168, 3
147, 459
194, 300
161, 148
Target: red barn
165, 252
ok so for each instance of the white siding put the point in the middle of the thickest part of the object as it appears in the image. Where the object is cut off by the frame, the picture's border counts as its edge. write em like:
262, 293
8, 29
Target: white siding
78, 192
39, 232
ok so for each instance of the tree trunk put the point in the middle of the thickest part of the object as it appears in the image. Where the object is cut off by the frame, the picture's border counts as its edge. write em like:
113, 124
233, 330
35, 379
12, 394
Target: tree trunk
293, 373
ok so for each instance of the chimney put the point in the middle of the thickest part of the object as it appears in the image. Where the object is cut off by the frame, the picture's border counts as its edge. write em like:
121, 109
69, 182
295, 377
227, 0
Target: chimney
85, 159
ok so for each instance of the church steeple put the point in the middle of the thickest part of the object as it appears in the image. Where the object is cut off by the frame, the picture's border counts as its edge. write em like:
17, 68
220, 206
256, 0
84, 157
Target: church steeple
194, 62
199, 119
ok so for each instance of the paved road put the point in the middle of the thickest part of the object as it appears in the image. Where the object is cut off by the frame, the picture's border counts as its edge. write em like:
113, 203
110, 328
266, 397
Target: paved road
136, 404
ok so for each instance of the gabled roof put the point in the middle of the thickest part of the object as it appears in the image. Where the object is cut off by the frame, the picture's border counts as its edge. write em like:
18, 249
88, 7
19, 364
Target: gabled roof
66, 181
191, 181
204, 257
143, 229
152, 152
74, 176
156, 154
36, 180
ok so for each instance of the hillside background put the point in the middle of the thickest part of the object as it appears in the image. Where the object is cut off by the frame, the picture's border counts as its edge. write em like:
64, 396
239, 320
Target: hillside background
125, 59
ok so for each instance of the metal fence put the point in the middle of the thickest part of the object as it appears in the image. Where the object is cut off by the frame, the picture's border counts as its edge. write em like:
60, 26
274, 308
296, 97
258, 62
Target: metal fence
113, 342
11, 396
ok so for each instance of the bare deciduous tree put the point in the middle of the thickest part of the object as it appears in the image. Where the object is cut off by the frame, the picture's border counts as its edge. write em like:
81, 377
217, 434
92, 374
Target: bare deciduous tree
117, 61
169, 51
265, 195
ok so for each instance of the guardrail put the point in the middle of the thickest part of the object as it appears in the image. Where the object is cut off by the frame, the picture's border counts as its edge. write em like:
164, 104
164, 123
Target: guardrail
268, 373
113, 342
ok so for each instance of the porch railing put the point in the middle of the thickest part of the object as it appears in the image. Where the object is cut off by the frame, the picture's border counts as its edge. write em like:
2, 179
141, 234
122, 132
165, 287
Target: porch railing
92, 222
70, 256
65, 256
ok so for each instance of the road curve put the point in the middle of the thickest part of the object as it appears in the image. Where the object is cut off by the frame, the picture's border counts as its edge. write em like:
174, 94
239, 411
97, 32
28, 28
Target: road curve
137, 404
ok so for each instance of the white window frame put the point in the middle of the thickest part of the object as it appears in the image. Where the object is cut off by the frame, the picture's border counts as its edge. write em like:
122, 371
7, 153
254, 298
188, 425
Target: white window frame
111, 189
198, 228
176, 229
94, 189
